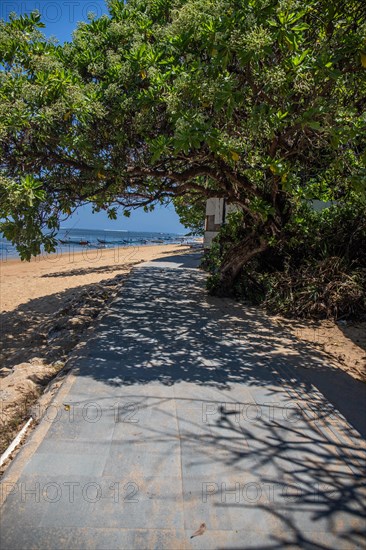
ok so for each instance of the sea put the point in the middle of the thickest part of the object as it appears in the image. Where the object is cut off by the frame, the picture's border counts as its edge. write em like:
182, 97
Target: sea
78, 240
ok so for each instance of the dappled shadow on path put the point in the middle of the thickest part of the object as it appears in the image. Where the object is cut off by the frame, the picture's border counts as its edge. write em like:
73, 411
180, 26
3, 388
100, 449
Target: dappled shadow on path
264, 452
163, 327
308, 485
273, 473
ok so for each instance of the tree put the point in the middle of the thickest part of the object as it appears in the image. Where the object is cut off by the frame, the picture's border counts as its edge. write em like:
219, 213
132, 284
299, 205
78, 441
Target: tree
191, 211
259, 101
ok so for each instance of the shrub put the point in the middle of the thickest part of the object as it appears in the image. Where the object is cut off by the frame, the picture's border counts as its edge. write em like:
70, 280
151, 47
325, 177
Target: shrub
317, 268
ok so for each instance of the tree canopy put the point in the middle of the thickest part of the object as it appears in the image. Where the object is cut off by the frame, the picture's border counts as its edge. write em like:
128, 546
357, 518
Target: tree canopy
259, 101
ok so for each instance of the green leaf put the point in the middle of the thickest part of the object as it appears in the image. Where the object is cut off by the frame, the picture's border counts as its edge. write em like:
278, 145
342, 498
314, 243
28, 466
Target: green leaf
314, 125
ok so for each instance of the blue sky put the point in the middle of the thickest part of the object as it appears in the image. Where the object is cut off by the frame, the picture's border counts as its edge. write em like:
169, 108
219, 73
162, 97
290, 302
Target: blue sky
163, 219
61, 18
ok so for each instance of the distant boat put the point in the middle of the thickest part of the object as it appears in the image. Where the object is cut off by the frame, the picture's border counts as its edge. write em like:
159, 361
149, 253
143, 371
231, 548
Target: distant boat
102, 241
69, 241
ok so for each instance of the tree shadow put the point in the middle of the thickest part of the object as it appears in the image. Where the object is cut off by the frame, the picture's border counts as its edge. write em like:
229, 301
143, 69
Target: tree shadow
318, 492
24, 329
163, 327
300, 456
90, 270
355, 332
229, 419
340, 342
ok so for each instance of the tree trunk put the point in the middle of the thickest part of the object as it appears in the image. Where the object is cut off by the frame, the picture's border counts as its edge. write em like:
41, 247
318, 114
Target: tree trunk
234, 261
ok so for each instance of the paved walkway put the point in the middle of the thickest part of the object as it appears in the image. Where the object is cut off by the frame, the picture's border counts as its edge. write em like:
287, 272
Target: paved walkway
183, 410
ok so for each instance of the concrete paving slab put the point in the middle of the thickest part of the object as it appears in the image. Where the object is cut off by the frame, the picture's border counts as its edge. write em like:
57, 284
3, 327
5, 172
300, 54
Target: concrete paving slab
184, 409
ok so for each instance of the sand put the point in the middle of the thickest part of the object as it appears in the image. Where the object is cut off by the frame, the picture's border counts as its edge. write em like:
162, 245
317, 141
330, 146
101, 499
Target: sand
342, 343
